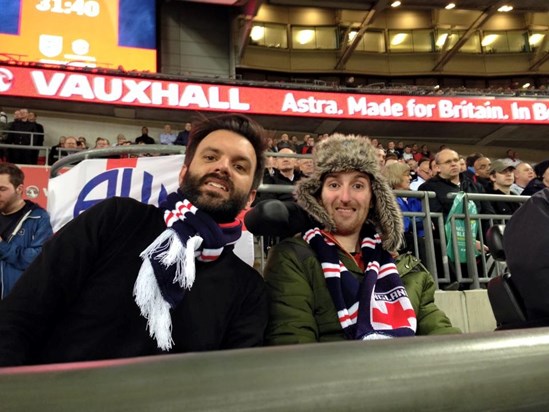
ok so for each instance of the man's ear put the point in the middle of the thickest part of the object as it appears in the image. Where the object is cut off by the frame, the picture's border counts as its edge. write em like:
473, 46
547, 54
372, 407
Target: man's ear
251, 198
182, 174
19, 190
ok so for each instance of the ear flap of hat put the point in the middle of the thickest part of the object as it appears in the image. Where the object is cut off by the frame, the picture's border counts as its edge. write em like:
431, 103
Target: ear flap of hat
386, 215
306, 193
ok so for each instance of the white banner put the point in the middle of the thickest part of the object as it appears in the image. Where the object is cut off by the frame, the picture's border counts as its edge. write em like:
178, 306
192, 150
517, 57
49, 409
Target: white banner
147, 179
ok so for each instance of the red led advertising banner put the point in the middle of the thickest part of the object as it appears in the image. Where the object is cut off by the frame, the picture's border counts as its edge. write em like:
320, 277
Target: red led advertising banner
152, 93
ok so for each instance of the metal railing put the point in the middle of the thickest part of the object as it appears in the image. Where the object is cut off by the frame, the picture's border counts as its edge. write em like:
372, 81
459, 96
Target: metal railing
78, 155
503, 371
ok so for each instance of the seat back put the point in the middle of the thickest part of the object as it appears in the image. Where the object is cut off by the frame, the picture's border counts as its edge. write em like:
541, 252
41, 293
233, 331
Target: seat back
506, 303
494, 241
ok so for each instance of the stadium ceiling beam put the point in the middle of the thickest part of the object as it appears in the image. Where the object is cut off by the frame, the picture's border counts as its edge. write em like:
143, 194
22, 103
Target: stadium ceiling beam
541, 55
249, 11
484, 16
348, 49
503, 133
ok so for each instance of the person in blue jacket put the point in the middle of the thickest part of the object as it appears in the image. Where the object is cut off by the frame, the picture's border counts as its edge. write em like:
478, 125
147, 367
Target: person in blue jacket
24, 227
398, 177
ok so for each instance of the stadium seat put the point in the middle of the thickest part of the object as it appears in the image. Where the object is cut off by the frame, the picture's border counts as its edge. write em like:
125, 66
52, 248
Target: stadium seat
507, 304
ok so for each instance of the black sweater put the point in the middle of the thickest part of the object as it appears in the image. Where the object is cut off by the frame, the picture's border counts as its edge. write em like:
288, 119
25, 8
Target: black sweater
75, 301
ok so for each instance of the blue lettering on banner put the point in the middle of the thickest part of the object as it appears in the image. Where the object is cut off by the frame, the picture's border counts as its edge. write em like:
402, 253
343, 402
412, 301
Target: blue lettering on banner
110, 178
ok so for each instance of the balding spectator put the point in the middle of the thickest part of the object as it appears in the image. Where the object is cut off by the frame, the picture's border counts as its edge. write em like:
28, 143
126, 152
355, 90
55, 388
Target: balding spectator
541, 181
167, 136
524, 173
38, 136
482, 172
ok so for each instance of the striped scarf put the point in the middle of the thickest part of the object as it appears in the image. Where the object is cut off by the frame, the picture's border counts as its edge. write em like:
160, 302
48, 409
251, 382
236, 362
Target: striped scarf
168, 267
377, 307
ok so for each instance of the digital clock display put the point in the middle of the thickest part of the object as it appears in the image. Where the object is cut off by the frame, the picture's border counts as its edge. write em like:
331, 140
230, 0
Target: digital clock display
80, 33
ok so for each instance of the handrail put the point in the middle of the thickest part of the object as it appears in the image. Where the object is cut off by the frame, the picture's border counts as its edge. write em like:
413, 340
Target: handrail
156, 149
479, 371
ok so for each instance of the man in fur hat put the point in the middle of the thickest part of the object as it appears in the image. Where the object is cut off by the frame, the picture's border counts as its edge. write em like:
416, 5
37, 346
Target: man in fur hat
126, 279
338, 280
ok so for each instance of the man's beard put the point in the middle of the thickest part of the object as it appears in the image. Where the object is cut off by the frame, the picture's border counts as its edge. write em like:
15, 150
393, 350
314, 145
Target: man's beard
212, 203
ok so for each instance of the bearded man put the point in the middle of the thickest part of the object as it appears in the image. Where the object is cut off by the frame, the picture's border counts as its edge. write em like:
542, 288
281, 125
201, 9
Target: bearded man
126, 279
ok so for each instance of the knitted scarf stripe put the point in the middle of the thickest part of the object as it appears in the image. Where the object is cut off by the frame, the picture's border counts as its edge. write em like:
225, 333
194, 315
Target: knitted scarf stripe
376, 307
168, 267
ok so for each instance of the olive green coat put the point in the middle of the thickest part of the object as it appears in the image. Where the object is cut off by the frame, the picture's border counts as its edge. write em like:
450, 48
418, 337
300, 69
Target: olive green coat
302, 310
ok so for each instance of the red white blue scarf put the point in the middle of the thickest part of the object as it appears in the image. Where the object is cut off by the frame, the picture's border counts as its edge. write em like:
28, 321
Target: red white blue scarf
168, 267
377, 307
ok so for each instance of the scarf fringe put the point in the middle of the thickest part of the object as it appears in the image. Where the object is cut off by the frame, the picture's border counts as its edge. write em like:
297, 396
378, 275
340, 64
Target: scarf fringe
153, 306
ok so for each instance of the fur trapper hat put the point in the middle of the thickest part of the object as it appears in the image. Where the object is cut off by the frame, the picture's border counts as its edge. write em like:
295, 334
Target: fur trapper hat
344, 153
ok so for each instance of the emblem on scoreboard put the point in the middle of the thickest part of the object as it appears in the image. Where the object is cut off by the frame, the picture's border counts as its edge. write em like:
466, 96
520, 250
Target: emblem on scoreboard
50, 45
6, 79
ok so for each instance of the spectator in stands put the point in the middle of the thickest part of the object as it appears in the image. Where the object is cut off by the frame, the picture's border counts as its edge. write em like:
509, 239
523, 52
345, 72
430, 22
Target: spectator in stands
120, 140
482, 168
285, 142
53, 156
423, 173
69, 147
374, 142
462, 165
144, 138
526, 241
391, 149
502, 177
21, 132
412, 164
398, 177
470, 162
24, 227
284, 174
271, 145
541, 181
416, 152
407, 154
37, 137
400, 148
425, 152
524, 173
390, 159
167, 136
450, 180
381, 157
306, 167
82, 143
183, 136
81, 286
314, 279
308, 146
101, 143
513, 156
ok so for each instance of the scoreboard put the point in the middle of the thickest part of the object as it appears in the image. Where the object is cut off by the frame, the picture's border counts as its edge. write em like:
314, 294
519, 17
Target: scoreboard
82, 33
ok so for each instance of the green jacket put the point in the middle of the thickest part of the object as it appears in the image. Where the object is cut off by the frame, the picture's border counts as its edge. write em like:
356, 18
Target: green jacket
302, 310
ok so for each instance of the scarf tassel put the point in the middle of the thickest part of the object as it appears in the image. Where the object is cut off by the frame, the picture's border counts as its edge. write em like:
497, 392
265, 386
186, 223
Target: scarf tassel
153, 306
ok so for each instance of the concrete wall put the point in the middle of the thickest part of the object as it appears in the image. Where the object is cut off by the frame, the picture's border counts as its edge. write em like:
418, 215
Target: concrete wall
469, 310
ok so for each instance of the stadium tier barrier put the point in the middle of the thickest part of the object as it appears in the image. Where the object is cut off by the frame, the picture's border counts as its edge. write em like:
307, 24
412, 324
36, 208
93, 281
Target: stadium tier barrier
504, 371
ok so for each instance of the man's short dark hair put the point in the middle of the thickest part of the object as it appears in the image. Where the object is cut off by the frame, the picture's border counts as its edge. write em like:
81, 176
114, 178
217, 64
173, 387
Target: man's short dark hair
472, 158
16, 175
236, 123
